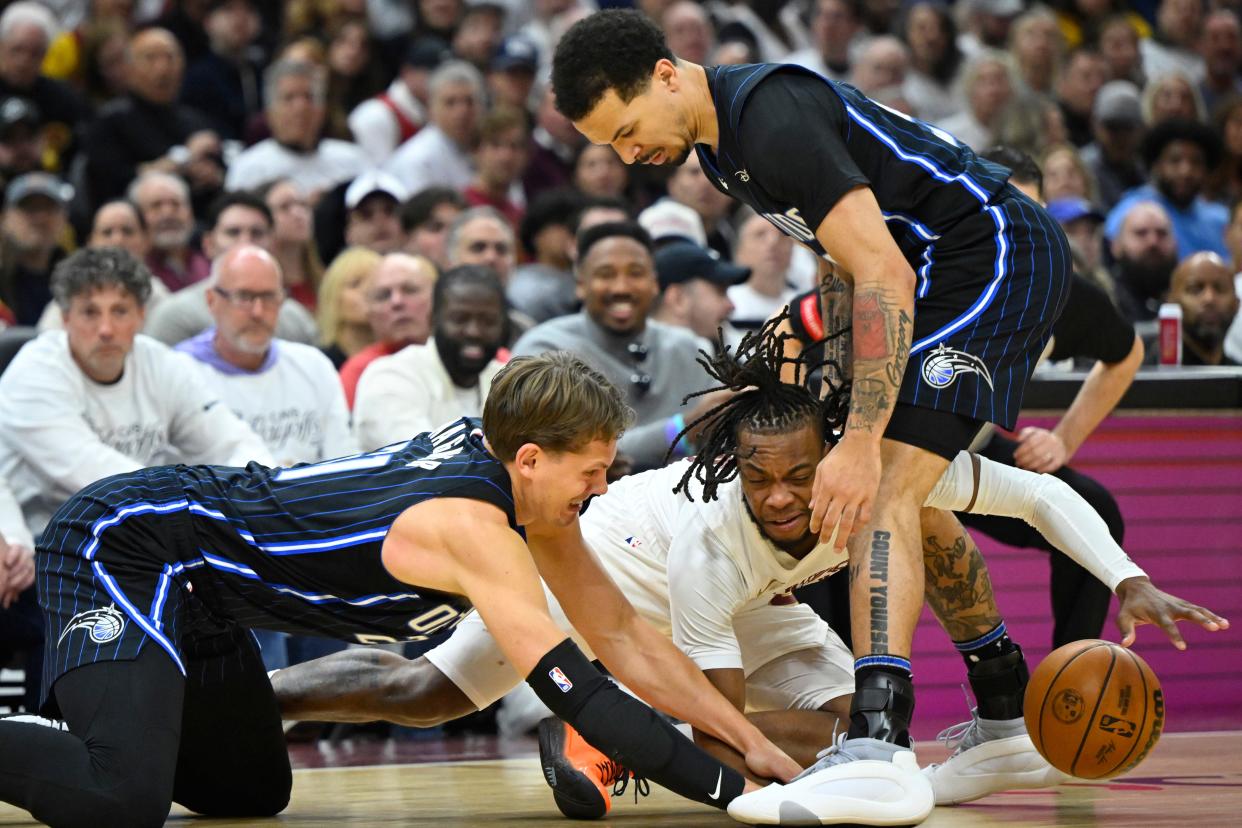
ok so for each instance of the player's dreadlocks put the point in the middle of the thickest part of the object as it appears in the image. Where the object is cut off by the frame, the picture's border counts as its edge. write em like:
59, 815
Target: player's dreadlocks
761, 402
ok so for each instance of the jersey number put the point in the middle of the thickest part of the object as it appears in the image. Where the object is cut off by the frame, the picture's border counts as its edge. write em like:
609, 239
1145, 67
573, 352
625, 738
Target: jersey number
436, 620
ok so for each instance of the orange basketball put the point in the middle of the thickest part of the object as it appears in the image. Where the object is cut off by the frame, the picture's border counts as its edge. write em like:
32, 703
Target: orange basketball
1094, 709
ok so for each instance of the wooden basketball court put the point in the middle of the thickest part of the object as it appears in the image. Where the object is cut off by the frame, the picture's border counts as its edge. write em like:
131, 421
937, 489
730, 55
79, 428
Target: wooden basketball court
1190, 779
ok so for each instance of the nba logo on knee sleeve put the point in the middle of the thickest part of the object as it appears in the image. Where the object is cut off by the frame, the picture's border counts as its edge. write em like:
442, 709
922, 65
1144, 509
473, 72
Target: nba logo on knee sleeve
101, 625
560, 679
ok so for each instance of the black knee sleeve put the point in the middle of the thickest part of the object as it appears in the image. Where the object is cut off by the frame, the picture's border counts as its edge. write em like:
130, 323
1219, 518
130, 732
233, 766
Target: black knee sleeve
628, 731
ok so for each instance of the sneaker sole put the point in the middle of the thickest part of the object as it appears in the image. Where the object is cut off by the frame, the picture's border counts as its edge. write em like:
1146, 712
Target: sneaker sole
575, 794
960, 787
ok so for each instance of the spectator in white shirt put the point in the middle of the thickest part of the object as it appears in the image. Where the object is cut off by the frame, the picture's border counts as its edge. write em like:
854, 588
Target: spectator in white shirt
441, 154
423, 386
295, 94
384, 122
287, 392
98, 398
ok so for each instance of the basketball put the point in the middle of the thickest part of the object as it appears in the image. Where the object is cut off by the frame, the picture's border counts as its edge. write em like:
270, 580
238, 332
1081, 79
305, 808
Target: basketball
1094, 709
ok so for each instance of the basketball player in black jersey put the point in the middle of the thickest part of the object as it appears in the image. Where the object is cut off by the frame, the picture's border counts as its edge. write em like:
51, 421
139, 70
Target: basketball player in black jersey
954, 280
148, 581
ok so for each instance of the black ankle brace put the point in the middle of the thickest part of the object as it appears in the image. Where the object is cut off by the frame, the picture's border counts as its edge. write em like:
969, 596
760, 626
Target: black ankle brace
883, 706
999, 685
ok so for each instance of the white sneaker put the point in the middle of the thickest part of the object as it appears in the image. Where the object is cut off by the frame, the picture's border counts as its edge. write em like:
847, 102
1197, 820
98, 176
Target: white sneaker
856, 781
989, 756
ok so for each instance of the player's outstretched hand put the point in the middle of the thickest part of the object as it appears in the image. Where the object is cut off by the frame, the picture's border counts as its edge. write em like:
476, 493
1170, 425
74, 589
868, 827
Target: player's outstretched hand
1040, 450
1142, 603
767, 761
846, 481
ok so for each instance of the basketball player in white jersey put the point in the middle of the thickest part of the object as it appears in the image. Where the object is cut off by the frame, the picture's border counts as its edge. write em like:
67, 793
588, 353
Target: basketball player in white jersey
711, 560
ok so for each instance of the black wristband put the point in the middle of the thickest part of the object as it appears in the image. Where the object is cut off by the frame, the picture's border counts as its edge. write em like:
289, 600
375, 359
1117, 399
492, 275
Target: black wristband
628, 731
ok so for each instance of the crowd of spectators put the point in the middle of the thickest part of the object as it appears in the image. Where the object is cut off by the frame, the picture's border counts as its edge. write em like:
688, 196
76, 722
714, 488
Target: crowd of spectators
340, 217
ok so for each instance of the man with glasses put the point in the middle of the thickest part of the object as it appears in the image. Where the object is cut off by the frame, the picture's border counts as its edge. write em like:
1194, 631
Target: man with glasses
399, 309
234, 219
287, 392
652, 363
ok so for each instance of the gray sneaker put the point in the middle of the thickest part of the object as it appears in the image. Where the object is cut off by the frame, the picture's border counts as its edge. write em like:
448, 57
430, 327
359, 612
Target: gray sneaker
989, 755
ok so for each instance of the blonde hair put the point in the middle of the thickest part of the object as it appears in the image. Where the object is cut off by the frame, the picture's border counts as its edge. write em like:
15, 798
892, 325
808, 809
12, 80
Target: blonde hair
345, 266
553, 400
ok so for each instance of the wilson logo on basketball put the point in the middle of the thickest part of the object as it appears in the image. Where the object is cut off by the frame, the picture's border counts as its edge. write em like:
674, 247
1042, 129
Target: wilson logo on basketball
1067, 706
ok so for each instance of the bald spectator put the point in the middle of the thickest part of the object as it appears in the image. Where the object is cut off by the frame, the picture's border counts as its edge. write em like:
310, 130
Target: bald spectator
1204, 288
688, 31
835, 27
1084, 72
26, 31
440, 155
694, 290
1179, 154
1144, 255
1174, 48
881, 64
422, 386
295, 94
236, 218
373, 213
98, 398
768, 254
1221, 48
287, 392
31, 226
426, 219
988, 87
399, 309
689, 186
164, 201
147, 123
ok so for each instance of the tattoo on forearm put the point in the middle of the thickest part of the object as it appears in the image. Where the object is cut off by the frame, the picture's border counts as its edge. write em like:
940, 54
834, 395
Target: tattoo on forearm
835, 301
958, 587
882, 333
870, 333
878, 570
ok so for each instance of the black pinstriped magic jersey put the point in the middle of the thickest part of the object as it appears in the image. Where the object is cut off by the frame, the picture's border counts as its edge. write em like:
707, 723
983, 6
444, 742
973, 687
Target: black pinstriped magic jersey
298, 549
793, 143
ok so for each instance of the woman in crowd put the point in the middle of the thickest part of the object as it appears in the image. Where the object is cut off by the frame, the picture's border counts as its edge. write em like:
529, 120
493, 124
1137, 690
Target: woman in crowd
342, 313
292, 240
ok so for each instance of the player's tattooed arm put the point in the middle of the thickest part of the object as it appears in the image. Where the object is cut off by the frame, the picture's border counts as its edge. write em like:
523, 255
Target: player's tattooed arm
882, 330
835, 301
958, 587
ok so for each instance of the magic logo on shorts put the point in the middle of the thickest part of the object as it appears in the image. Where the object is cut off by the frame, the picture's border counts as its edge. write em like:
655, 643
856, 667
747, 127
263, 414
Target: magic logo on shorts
943, 365
560, 679
102, 625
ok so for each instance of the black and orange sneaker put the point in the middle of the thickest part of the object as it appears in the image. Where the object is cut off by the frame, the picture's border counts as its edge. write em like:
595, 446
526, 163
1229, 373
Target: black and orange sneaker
579, 775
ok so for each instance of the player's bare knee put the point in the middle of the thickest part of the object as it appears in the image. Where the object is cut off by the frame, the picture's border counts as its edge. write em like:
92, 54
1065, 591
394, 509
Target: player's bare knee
418, 695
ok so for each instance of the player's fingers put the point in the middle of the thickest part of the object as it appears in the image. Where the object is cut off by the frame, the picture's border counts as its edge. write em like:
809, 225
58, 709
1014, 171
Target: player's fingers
1125, 623
1203, 617
846, 527
1169, 626
864, 513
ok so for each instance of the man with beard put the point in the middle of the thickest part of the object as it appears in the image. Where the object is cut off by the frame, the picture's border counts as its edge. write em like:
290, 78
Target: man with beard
653, 364
287, 392
1144, 255
709, 550
422, 386
164, 201
1204, 288
1179, 154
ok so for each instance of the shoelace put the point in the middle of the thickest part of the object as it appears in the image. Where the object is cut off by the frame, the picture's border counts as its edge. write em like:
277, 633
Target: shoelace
641, 786
834, 754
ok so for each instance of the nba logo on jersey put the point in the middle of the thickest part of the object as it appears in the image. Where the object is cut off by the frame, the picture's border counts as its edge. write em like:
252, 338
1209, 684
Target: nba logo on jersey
561, 680
633, 542
102, 625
